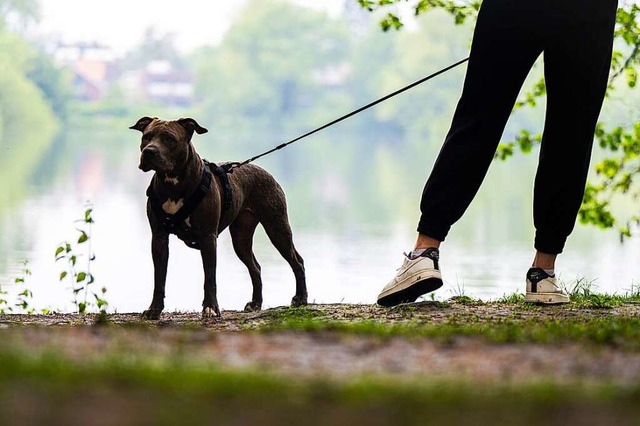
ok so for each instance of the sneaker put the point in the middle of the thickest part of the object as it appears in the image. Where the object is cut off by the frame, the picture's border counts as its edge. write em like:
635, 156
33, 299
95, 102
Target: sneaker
414, 278
543, 288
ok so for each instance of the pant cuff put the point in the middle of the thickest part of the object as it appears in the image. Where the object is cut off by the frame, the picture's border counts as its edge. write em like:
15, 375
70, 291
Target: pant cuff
434, 230
549, 243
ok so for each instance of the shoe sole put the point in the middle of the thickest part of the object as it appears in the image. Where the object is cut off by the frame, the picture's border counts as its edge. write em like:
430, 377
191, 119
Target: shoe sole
411, 293
546, 298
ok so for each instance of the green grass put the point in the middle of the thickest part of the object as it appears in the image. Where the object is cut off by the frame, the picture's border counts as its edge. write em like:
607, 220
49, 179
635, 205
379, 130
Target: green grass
180, 392
131, 385
582, 295
619, 332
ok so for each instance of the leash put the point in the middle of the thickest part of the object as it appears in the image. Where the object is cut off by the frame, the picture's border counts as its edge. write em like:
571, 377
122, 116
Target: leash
230, 166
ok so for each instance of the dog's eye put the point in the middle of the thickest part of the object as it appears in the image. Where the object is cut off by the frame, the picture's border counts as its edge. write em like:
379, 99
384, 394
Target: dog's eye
146, 138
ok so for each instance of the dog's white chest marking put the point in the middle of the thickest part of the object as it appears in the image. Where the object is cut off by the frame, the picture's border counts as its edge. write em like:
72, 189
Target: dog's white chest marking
171, 206
173, 181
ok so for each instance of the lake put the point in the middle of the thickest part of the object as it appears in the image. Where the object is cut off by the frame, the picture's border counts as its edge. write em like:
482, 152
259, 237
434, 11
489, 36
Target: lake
351, 245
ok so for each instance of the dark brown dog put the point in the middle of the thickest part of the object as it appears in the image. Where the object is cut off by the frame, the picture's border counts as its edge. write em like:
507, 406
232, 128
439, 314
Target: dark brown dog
166, 148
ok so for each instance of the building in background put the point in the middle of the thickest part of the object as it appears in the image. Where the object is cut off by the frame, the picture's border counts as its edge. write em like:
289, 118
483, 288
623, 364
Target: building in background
96, 70
92, 66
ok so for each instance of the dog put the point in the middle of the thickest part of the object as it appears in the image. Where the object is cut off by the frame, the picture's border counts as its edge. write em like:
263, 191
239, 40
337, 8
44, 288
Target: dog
197, 200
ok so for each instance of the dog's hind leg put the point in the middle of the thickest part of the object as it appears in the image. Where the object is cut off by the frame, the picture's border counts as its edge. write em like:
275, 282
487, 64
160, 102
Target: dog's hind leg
279, 232
242, 230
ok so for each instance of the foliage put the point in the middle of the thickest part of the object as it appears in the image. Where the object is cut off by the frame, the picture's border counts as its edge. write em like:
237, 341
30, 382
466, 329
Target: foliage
582, 295
154, 46
23, 296
615, 175
27, 121
81, 280
24, 11
54, 83
266, 76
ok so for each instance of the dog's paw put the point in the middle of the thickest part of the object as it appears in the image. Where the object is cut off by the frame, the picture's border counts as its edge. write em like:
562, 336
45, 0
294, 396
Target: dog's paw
253, 306
208, 312
299, 300
151, 314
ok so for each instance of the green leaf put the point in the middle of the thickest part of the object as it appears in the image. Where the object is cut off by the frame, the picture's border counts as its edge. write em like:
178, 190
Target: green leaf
59, 250
81, 276
83, 237
63, 274
82, 307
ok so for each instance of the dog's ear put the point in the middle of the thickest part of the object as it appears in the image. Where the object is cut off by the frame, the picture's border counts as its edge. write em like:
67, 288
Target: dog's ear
142, 124
191, 126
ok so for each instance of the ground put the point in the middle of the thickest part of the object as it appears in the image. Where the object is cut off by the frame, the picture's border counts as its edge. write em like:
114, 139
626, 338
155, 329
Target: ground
460, 361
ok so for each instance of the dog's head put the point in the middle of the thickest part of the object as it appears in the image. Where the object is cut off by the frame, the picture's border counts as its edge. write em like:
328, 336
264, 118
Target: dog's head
165, 143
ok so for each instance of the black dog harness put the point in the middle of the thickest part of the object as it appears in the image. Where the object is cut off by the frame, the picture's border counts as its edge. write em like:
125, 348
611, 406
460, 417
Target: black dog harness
176, 223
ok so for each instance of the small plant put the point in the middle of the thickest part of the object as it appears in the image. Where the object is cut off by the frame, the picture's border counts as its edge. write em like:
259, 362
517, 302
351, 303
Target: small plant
633, 294
459, 290
512, 299
582, 295
81, 281
23, 298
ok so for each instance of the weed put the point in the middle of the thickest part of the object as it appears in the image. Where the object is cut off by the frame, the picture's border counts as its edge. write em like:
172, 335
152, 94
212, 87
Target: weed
633, 294
293, 313
513, 298
466, 300
81, 280
458, 290
24, 296
582, 295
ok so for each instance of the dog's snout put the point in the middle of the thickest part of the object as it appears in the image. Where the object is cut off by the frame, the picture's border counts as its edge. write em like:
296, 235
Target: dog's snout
150, 157
150, 151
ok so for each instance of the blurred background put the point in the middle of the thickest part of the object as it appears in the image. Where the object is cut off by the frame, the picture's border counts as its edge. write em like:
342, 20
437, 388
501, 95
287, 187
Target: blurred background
76, 73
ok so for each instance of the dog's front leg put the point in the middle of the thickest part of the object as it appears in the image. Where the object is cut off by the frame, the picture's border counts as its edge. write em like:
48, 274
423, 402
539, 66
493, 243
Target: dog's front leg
208, 246
160, 255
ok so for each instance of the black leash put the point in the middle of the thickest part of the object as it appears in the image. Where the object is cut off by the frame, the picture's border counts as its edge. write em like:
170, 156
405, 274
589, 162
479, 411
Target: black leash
230, 166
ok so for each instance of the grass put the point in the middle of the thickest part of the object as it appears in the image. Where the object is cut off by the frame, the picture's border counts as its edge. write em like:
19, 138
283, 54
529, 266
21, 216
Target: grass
136, 390
623, 332
582, 295
611, 330
124, 383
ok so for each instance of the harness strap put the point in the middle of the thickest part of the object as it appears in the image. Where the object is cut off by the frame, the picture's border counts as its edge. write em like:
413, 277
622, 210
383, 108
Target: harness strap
222, 173
171, 222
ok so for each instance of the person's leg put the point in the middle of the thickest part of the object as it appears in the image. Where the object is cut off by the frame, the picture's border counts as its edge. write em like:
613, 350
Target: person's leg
506, 43
505, 46
425, 242
577, 61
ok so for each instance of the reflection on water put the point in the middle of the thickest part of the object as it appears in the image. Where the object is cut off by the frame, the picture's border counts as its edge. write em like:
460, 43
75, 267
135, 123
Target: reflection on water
348, 268
351, 248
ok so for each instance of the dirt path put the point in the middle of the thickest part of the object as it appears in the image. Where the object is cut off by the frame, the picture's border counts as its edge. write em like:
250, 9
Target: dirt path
240, 340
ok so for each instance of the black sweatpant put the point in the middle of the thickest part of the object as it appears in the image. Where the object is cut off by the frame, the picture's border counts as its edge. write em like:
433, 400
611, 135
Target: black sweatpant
576, 38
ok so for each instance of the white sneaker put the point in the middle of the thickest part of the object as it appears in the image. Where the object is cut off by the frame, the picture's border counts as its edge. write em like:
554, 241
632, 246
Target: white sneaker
543, 288
414, 278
